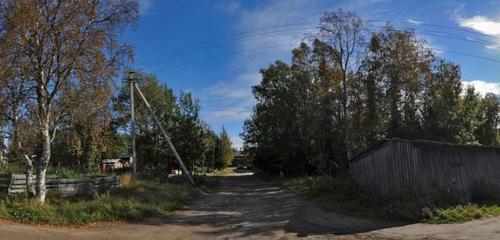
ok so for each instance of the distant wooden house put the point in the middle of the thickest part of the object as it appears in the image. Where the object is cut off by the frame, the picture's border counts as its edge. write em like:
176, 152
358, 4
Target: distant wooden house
114, 164
398, 167
240, 159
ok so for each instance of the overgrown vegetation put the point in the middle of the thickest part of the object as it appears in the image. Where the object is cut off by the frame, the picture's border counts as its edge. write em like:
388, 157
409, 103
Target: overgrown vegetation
136, 200
342, 195
463, 213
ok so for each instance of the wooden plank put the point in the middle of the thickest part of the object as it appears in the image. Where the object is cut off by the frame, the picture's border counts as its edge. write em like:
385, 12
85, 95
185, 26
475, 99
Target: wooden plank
66, 187
23, 176
68, 181
23, 181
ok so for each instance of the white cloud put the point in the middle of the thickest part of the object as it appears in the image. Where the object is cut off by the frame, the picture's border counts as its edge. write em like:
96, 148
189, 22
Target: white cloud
236, 89
414, 22
145, 6
484, 87
231, 7
231, 114
227, 102
481, 24
485, 26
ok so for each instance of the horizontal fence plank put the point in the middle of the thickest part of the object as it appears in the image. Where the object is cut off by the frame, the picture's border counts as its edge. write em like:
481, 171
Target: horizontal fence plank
16, 184
23, 176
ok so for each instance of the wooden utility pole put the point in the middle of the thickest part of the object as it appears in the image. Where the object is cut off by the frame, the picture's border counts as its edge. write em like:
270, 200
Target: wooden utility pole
132, 120
169, 141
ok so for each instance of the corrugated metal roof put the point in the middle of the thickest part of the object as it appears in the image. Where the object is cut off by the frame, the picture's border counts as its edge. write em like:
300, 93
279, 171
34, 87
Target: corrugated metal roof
381, 143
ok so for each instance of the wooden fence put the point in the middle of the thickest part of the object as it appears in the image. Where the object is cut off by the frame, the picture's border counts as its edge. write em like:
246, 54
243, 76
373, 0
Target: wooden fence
403, 168
16, 183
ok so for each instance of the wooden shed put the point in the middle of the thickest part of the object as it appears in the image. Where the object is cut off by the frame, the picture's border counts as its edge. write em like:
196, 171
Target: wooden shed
398, 167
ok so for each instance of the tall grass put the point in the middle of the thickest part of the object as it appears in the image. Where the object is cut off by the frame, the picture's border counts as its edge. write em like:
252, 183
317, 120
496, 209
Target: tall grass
138, 199
342, 195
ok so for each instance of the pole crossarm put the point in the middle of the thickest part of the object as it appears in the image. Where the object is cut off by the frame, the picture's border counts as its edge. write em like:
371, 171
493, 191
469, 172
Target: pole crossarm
169, 141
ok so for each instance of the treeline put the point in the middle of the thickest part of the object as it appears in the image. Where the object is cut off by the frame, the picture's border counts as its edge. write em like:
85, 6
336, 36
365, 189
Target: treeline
349, 89
199, 146
96, 125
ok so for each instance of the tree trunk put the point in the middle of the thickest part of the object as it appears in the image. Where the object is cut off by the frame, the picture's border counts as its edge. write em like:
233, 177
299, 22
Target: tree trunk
42, 163
345, 126
30, 187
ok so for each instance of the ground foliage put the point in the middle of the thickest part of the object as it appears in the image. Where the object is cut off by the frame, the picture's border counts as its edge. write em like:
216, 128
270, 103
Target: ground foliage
136, 200
342, 195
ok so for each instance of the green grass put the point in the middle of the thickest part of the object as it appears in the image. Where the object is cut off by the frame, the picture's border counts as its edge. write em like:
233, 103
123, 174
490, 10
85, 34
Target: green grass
221, 172
138, 199
463, 213
342, 195
12, 168
17, 168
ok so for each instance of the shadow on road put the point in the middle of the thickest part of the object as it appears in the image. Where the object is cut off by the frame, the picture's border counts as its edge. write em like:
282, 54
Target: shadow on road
246, 206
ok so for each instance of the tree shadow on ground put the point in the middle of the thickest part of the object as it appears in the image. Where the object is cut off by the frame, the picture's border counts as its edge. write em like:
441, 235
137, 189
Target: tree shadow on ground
246, 206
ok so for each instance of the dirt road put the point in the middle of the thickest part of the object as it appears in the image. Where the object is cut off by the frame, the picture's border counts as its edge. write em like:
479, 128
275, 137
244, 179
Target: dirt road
247, 208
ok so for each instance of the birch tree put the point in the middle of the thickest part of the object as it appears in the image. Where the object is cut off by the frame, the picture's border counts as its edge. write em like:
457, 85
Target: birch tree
344, 32
62, 43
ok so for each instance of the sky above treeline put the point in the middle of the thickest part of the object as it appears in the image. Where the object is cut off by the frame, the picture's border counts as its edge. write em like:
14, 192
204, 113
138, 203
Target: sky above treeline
215, 48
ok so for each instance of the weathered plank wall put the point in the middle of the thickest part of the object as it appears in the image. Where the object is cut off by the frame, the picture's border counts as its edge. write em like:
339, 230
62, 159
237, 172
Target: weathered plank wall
422, 168
16, 183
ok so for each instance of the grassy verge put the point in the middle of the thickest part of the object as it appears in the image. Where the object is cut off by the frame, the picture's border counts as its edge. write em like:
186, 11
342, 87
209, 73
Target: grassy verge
463, 213
342, 195
221, 172
138, 199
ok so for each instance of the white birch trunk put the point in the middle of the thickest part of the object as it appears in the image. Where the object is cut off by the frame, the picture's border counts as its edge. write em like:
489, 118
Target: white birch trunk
42, 164
30, 186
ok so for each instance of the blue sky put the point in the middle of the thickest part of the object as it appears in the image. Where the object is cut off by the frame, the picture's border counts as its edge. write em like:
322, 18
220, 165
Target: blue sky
174, 39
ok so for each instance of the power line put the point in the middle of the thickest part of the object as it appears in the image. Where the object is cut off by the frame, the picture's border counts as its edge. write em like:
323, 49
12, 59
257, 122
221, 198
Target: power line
231, 40
278, 46
449, 35
433, 25
222, 55
242, 34
215, 40
469, 55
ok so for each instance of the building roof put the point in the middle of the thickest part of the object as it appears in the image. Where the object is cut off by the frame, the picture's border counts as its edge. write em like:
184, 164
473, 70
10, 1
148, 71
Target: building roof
384, 142
111, 160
